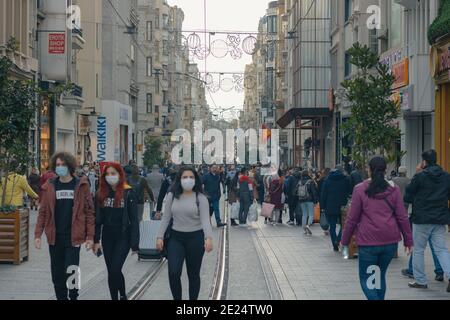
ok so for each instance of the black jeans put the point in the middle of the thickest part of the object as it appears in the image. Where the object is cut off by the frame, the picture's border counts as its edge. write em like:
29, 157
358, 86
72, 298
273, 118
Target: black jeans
189, 246
292, 203
116, 247
63, 256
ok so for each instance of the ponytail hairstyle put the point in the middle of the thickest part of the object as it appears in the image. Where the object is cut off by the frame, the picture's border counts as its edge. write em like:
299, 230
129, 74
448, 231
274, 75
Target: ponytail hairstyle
378, 184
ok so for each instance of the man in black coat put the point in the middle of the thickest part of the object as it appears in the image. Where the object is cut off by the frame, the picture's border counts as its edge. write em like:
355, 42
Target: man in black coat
429, 193
335, 194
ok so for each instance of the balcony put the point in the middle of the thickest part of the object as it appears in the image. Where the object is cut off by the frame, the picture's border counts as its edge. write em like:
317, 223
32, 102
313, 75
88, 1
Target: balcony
74, 98
77, 39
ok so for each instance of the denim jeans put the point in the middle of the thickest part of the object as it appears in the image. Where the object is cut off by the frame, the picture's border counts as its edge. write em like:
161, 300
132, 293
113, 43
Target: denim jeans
214, 207
373, 285
438, 269
308, 213
436, 235
333, 221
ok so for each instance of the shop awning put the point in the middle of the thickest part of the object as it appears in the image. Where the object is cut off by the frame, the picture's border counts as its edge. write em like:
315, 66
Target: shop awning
303, 113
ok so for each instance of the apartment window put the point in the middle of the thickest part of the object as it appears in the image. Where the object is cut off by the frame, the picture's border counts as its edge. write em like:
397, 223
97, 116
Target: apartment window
157, 121
149, 67
96, 86
97, 35
272, 26
395, 32
165, 98
165, 71
348, 9
157, 109
157, 19
149, 103
132, 53
373, 40
157, 84
348, 66
149, 30
165, 47
164, 122
165, 19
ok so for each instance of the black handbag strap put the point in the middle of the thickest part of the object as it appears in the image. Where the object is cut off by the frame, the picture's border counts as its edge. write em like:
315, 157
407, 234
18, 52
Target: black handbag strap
389, 204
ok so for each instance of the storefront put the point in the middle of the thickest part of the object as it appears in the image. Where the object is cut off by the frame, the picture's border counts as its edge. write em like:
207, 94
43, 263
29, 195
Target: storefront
440, 67
114, 138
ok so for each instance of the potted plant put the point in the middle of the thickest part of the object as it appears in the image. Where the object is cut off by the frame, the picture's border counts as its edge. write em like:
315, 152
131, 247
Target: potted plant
18, 107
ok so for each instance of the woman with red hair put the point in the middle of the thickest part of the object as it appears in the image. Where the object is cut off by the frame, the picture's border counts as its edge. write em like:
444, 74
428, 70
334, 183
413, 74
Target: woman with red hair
117, 225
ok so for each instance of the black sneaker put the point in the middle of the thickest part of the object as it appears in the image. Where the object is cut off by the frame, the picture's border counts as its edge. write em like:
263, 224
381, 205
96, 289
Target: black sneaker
233, 223
439, 277
335, 248
221, 224
415, 285
406, 273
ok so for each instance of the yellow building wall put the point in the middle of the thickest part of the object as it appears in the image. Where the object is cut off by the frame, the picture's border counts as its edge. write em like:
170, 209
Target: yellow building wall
442, 121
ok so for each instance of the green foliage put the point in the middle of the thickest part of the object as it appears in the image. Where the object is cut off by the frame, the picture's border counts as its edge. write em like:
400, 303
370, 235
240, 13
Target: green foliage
371, 125
441, 25
18, 107
152, 153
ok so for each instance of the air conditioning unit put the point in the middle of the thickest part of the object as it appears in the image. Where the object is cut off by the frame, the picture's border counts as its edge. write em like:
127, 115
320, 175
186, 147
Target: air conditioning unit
409, 4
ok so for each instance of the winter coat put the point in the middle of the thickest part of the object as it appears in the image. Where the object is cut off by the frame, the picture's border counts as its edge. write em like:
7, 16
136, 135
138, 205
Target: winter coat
335, 193
429, 193
377, 224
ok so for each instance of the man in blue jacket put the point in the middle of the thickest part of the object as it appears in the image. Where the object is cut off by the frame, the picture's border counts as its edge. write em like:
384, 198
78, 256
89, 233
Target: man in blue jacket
211, 182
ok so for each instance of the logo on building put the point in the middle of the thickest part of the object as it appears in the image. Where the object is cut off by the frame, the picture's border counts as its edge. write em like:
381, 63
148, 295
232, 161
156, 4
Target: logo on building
56, 43
101, 139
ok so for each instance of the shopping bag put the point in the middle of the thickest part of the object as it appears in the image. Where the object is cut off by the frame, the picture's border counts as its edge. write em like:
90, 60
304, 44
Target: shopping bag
234, 214
317, 213
267, 210
253, 213
324, 222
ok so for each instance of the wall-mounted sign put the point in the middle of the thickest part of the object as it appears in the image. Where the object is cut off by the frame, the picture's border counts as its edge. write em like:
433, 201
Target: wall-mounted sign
101, 139
444, 60
56, 43
401, 73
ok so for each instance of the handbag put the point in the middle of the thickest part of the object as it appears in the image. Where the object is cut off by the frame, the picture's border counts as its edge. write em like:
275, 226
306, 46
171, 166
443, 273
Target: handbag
267, 210
234, 215
323, 221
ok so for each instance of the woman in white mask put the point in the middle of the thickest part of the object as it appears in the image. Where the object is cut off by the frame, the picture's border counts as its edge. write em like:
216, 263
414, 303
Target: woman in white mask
117, 226
186, 218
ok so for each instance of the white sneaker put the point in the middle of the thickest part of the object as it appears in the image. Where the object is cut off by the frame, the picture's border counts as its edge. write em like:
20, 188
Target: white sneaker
308, 230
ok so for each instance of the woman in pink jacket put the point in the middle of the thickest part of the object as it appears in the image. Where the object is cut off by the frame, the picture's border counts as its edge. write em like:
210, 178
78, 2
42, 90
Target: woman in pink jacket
379, 219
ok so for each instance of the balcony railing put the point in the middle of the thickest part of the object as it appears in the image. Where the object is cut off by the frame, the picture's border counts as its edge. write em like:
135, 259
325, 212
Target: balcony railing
77, 31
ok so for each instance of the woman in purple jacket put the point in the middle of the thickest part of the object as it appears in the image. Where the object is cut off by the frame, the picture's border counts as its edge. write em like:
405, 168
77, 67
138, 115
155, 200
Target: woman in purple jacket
379, 219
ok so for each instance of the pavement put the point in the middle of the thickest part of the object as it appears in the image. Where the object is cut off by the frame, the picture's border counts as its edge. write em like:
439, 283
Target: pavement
265, 263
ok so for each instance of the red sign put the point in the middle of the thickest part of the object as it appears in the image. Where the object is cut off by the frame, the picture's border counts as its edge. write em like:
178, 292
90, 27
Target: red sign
401, 74
56, 43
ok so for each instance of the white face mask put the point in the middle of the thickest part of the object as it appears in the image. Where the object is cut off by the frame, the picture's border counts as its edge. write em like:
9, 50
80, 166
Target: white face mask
112, 180
188, 184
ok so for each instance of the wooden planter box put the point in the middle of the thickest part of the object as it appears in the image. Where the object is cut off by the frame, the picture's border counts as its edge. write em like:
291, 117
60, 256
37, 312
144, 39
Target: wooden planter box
14, 236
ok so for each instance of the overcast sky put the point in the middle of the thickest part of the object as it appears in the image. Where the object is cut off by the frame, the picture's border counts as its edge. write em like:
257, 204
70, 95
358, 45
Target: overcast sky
234, 15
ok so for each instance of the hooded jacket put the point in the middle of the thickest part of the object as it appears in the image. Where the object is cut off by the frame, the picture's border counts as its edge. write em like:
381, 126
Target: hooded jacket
429, 193
335, 193
374, 221
129, 218
83, 217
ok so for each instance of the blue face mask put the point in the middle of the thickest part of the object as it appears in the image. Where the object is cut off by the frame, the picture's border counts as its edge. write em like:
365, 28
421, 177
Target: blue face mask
62, 171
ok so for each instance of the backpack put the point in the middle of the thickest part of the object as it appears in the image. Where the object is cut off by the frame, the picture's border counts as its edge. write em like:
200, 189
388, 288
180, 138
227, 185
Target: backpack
303, 190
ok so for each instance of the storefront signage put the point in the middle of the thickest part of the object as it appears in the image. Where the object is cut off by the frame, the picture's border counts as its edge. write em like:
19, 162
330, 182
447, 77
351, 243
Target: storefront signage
444, 60
101, 139
393, 57
401, 73
56, 43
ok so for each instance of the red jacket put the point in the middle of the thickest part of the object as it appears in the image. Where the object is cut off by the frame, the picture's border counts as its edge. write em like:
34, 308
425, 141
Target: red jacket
83, 217
44, 178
